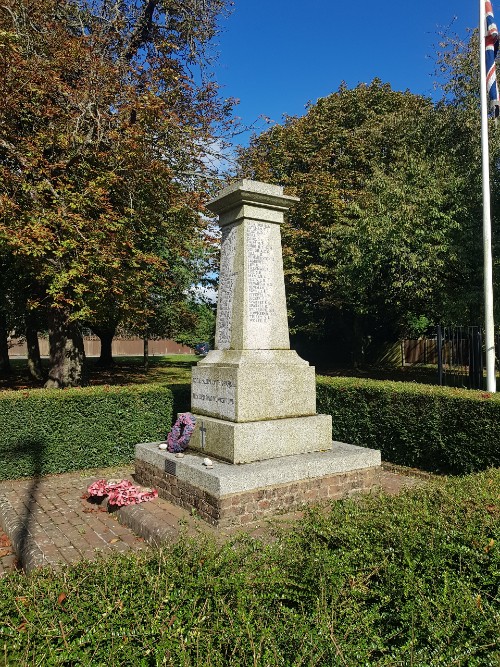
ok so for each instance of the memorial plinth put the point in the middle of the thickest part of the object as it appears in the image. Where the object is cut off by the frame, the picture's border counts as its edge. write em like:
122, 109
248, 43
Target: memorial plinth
254, 399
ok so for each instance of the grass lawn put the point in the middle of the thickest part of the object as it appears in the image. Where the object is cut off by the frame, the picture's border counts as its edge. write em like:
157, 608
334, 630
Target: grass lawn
169, 369
407, 580
176, 369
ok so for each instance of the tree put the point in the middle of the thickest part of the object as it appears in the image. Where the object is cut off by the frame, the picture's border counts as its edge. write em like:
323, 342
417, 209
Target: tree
103, 139
457, 72
201, 327
388, 187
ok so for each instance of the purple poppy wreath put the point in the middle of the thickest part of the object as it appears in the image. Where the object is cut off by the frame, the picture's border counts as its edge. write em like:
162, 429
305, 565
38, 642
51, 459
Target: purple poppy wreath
182, 430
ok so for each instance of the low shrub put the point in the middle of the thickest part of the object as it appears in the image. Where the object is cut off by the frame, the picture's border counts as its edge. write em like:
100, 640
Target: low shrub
52, 431
423, 426
385, 581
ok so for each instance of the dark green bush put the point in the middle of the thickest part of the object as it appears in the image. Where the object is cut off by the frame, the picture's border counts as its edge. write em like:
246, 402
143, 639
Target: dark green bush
383, 581
52, 431
423, 426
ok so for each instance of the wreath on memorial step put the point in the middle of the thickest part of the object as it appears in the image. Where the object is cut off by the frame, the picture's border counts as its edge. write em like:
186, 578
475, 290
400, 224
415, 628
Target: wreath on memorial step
180, 435
121, 492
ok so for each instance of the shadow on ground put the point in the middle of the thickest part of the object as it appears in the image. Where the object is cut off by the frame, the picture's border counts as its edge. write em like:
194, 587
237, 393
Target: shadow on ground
21, 532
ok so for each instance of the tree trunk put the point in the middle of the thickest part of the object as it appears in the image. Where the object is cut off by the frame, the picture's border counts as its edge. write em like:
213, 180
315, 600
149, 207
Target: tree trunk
34, 360
67, 354
146, 352
105, 335
5, 368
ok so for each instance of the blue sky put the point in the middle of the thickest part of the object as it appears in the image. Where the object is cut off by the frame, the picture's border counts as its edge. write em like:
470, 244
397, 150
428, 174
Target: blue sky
276, 55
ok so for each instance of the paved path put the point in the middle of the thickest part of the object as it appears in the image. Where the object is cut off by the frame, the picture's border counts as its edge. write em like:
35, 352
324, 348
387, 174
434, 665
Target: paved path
50, 521
7, 557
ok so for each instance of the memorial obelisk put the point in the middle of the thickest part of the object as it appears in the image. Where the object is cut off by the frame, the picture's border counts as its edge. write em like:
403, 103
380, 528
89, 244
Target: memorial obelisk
253, 397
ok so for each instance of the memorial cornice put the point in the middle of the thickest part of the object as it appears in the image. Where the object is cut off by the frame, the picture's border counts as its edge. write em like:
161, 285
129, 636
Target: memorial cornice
253, 193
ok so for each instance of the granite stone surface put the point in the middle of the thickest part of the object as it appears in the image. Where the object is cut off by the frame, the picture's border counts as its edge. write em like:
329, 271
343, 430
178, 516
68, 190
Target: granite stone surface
253, 385
255, 398
251, 309
252, 200
226, 478
242, 442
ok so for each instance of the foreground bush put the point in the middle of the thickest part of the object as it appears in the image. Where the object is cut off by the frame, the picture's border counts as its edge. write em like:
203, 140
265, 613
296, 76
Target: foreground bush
53, 431
423, 426
410, 580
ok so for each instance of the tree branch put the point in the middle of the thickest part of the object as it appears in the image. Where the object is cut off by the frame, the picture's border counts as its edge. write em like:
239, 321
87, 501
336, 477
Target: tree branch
143, 29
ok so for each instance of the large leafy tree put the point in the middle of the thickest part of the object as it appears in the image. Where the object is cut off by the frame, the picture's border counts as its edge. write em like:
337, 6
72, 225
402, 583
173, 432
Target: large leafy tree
387, 228
104, 130
457, 70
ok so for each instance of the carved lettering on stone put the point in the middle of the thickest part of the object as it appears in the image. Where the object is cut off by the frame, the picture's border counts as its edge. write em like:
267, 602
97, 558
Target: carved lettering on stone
260, 266
217, 396
226, 288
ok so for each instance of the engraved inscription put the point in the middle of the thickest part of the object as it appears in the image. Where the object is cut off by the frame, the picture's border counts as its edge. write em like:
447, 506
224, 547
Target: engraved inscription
226, 288
213, 399
259, 262
214, 382
214, 395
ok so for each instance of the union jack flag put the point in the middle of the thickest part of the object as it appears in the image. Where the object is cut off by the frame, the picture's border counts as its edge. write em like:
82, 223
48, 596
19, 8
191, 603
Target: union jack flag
491, 53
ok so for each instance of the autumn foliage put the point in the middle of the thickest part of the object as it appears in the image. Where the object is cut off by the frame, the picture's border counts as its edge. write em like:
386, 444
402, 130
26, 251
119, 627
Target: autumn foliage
103, 141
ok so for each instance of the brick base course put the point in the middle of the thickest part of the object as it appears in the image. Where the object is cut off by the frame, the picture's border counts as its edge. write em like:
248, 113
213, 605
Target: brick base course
242, 508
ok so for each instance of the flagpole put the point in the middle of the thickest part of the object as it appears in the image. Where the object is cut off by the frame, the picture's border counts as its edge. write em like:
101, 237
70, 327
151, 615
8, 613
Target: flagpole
491, 383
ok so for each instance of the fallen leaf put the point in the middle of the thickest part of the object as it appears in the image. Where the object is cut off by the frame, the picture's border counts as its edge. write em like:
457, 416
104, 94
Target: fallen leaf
61, 598
490, 545
114, 540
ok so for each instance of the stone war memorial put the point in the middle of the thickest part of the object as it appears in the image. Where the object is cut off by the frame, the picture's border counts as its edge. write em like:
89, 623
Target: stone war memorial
253, 398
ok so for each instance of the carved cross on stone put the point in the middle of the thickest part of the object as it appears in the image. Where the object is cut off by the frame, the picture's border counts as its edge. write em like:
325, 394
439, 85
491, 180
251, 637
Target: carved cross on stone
203, 432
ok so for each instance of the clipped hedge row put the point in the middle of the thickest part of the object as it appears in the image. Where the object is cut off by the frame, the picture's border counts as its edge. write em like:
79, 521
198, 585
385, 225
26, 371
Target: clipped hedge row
379, 580
423, 426
52, 431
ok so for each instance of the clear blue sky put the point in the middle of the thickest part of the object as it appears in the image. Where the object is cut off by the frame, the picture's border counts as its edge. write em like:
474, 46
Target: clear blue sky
276, 55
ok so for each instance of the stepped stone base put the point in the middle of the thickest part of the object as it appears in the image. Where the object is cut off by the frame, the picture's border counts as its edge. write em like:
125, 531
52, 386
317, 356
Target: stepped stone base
257, 441
238, 494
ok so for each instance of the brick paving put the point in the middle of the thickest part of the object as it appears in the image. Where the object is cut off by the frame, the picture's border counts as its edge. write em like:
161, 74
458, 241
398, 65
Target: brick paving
50, 521
8, 560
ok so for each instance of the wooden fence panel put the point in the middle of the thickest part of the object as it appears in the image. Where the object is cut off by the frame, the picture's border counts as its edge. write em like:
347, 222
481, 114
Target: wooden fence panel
421, 351
121, 347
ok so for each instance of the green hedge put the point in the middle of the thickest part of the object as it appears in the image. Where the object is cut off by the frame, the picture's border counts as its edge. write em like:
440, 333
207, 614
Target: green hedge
385, 581
423, 426
52, 431
432, 428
